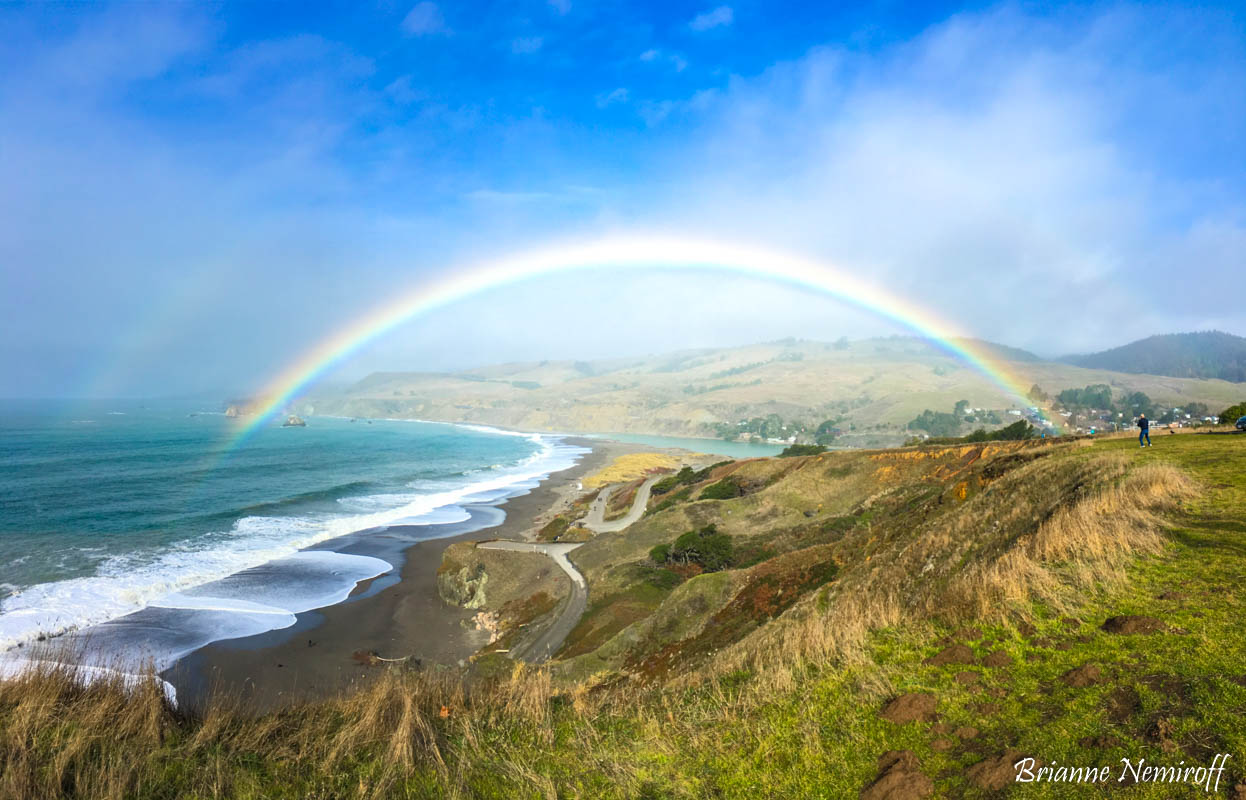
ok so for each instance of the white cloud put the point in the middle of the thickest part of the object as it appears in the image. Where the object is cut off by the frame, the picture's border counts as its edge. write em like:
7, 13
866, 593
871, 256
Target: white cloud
525, 45
984, 170
619, 95
717, 18
677, 62
998, 170
424, 19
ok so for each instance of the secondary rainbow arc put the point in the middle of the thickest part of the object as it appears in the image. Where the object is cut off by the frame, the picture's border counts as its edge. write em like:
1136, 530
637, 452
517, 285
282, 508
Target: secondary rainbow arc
628, 252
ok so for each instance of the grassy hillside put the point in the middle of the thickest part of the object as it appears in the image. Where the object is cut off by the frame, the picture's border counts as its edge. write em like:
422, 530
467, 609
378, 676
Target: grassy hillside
870, 388
1207, 354
909, 621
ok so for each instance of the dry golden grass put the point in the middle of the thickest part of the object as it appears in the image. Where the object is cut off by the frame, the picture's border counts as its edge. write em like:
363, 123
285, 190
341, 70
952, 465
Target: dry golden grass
1051, 531
104, 715
1054, 529
63, 737
629, 467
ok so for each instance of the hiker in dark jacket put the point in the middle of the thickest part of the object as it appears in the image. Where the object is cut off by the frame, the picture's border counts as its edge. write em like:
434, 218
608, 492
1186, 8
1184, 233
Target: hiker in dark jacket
1144, 430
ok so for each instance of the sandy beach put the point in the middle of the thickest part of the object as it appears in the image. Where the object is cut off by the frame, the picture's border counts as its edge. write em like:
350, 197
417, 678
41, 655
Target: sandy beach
395, 617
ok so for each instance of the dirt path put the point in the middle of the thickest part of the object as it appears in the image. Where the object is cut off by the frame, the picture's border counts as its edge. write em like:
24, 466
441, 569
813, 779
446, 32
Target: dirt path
595, 520
545, 645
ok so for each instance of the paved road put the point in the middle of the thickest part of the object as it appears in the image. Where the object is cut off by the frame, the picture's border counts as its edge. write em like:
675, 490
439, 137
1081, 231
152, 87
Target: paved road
548, 642
595, 521
552, 638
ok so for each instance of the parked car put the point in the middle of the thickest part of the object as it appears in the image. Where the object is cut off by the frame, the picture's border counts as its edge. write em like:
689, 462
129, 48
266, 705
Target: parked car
1240, 424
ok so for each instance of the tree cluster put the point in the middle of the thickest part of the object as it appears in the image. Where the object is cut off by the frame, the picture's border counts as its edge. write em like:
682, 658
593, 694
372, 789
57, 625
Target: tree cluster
712, 550
1232, 413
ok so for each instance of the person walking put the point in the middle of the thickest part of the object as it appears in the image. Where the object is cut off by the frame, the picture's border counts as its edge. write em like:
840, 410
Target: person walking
1144, 430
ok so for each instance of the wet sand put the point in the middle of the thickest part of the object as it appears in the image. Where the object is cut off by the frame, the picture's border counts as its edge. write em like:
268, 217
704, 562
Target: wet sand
397, 616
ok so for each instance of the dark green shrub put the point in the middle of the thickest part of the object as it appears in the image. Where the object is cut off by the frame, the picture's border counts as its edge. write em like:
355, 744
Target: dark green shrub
672, 499
665, 485
802, 450
725, 489
1017, 431
707, 547
712, 550
935, 423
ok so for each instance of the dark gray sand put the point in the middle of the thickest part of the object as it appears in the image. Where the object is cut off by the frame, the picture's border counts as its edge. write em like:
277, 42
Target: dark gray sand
396, 618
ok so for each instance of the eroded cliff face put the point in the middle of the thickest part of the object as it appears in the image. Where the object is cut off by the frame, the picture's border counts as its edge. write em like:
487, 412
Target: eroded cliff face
462, 585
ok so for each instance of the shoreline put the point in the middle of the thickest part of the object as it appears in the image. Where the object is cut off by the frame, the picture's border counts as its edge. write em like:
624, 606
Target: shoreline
397, 615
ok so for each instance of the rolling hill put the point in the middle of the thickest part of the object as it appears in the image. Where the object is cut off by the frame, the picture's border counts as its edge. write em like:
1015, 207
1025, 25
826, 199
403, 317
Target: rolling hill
1206, 354
890, 624
870, 388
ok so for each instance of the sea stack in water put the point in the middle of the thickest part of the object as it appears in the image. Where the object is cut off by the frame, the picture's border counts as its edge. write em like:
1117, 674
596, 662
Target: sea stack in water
294, 421
232, 411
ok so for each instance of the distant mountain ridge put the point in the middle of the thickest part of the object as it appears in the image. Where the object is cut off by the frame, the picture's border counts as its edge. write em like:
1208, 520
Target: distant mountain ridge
869, 389
1205, 354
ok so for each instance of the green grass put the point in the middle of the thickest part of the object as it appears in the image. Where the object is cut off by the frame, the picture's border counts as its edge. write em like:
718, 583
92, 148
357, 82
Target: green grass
821, 740
806, 730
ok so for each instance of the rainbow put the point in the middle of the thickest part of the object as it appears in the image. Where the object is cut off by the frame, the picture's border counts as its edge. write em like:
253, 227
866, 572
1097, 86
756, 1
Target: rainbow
627, 252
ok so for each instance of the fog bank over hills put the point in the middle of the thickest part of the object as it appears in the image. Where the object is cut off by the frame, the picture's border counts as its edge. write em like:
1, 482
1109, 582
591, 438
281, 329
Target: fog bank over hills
870, 389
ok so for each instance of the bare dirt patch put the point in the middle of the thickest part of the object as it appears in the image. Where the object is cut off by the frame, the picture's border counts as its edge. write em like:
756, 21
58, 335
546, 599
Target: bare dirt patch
1133, 624
899, 778
1121, 704
1083, 676
996, 772
912, 707
953, 654
998, 658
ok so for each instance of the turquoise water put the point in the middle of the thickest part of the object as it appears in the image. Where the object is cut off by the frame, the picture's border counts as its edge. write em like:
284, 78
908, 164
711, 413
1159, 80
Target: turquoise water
717, 447
112, 508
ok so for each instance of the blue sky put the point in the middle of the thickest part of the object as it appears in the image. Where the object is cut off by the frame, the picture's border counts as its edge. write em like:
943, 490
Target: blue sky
191, 194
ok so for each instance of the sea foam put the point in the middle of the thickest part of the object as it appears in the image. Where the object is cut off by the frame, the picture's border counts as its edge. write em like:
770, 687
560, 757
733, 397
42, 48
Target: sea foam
252, 578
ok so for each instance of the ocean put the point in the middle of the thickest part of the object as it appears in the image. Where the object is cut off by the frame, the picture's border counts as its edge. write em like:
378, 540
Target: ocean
140, 531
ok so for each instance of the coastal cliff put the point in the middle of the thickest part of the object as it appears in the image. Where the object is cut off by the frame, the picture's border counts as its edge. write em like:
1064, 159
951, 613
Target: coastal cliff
476, 578
462, 585
513, 593
842, 625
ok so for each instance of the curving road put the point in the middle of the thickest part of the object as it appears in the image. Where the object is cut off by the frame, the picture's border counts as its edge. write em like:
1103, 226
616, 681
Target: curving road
545, 645
595, 520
